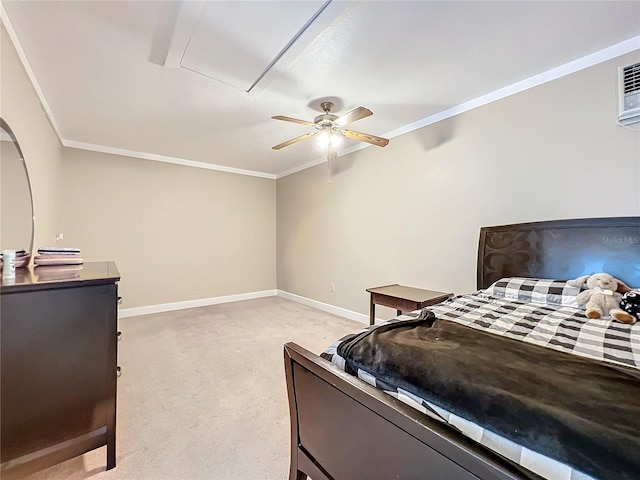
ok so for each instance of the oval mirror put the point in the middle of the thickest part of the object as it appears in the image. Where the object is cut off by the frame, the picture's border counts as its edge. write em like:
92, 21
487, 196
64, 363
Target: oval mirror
16, 203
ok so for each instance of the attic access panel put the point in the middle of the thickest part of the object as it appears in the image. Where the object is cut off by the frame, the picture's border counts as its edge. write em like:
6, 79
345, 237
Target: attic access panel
237, 42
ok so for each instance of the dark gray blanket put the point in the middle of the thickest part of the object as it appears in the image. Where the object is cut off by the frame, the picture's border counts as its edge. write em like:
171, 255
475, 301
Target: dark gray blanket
581, 412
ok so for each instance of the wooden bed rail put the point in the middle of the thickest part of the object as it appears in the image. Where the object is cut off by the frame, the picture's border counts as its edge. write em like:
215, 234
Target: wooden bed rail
345, 429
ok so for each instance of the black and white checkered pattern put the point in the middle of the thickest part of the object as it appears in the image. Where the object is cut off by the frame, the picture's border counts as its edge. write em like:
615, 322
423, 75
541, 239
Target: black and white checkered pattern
560, 327
538, 290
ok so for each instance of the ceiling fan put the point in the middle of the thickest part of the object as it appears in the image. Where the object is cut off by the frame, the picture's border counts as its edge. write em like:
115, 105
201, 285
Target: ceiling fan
329, 127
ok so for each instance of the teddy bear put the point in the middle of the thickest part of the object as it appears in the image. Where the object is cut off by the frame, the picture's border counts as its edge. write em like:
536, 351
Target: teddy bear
630, 303
603, 296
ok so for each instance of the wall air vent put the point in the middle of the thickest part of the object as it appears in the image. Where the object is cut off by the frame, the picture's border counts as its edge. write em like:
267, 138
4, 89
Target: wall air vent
629, 93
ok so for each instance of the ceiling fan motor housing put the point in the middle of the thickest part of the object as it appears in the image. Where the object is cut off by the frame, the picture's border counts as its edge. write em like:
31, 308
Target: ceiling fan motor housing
325, 118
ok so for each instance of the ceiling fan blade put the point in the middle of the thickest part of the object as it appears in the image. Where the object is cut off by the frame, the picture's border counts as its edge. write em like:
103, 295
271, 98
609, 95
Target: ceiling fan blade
365, 137
353, 115
294, 120
294, 140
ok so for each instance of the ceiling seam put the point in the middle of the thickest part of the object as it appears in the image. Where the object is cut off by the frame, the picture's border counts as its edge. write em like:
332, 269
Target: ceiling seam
193, 29
6, 21
289, 45
608, 53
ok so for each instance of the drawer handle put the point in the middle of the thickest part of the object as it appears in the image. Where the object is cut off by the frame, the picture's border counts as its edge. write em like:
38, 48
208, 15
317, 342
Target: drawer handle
119, 334
118, 371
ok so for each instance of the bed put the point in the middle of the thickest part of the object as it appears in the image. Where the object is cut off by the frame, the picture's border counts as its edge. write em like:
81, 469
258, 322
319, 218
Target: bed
344, 428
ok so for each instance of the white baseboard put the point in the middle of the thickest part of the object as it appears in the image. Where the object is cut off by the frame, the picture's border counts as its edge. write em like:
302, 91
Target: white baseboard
341, 312
201, 302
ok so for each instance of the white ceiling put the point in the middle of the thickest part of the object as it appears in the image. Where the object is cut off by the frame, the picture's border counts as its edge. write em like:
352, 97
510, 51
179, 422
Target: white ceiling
197, 82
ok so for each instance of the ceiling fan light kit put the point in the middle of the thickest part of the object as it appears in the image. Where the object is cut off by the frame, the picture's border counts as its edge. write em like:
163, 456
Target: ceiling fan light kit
327, 136
328, 127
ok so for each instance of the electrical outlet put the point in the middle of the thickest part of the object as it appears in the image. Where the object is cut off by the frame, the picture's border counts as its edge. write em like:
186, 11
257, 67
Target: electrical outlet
332, 286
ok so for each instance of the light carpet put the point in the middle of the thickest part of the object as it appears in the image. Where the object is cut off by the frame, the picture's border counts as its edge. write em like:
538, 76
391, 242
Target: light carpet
202, 393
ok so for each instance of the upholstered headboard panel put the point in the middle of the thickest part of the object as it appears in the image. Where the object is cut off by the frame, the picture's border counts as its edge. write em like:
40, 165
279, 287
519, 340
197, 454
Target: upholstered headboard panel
561, 249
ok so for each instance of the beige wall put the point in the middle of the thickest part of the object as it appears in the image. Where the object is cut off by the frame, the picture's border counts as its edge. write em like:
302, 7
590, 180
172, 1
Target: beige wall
410, 213
21, 109
176, 233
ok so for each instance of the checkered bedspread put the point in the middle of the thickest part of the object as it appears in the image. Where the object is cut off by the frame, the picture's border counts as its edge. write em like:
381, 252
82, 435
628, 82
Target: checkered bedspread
559, 327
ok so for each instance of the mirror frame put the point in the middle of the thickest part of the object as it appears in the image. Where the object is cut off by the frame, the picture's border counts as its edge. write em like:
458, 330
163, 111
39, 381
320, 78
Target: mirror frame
6, 128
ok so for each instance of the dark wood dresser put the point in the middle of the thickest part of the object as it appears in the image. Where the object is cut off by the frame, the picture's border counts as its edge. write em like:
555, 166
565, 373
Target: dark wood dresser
58, 365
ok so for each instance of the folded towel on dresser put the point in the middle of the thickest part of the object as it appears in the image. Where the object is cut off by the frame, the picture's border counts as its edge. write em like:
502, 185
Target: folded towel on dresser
59, 250
58, 256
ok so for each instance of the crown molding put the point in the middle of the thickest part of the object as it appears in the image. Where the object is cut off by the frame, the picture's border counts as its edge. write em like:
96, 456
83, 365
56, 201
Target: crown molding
619, 49
574, 66
609, 53
6, 21
163, 158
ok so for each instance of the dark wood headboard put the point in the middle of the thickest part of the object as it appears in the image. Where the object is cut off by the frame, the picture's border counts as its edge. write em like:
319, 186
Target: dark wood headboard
561, 249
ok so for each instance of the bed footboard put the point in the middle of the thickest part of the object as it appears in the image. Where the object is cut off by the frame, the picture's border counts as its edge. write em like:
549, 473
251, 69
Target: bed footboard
343, 428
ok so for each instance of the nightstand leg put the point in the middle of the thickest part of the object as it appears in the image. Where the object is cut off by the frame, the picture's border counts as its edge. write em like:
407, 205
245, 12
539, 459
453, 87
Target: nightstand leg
399, 312
372, 311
